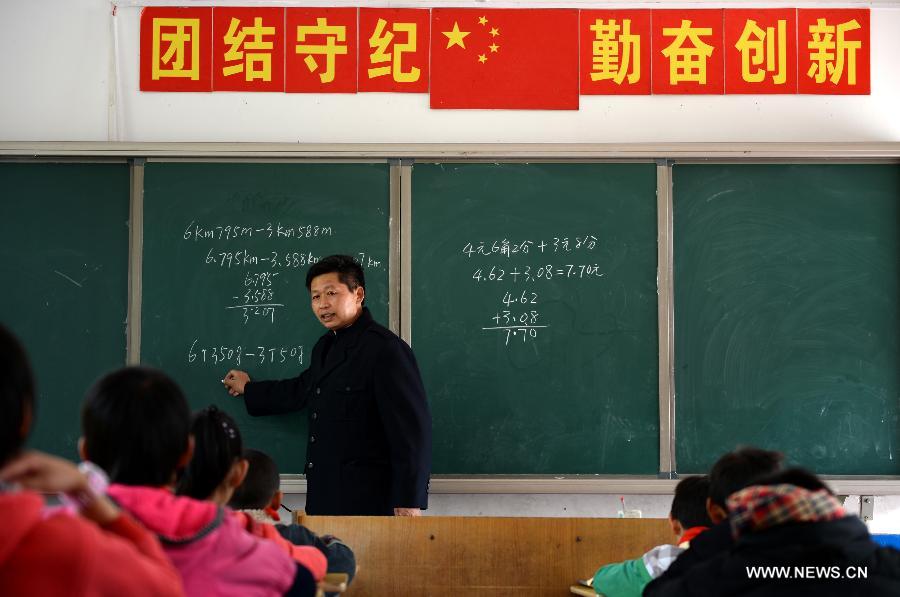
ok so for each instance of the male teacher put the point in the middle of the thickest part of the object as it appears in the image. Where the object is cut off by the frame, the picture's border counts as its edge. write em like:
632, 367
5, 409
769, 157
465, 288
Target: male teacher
369, 447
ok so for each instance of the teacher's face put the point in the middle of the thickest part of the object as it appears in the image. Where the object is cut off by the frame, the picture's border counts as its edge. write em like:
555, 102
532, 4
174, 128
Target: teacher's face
334, 304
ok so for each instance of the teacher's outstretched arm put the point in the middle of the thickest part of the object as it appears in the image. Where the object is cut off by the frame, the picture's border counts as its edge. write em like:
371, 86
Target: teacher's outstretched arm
268, 397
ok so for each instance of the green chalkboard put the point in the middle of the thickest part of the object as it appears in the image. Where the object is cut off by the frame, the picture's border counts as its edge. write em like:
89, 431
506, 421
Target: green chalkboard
64, 266
786, 314
226, 249
534, 316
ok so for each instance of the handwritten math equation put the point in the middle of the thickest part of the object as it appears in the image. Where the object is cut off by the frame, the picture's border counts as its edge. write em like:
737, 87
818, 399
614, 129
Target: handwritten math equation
197, 232
262, 267
506, 248
518, 314
235, 355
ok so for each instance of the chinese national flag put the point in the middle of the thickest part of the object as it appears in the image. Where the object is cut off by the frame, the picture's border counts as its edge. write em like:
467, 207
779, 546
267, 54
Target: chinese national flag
504, 58
833, 50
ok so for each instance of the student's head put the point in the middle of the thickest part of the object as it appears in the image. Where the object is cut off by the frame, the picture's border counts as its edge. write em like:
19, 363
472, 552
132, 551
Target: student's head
337, 290
136, 426
217, 467
689, 504
799, 477
17, 393
260, 487
736, 470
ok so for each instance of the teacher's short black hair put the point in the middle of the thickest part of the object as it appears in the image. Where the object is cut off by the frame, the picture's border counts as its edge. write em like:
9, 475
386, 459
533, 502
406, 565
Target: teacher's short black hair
17, 392
349, 272
260, 484
136, 426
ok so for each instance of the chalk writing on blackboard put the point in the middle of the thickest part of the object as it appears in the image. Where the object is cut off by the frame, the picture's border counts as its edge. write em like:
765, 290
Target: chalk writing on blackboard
248, 355
519, 315
506, 248
198, 232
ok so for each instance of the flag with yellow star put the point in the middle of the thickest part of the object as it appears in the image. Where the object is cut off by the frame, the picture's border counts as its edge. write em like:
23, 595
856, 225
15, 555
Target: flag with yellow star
504, 59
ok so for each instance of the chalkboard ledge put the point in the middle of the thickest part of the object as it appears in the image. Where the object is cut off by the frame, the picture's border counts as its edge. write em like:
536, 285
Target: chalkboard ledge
599, 484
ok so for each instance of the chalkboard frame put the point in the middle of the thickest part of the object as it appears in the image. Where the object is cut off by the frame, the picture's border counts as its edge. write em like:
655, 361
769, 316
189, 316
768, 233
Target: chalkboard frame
400, 155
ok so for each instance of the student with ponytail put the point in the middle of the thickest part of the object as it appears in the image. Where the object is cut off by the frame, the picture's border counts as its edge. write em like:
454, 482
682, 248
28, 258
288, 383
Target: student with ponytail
136, 424
218, 468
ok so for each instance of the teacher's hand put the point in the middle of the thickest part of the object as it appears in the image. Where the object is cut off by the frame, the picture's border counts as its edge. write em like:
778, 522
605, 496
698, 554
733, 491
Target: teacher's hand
235, 381
407, 512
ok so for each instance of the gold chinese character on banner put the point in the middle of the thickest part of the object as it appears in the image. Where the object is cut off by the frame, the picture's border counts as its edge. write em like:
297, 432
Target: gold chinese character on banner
831, 53
254, 64
182, 36
616, 53
333, 34
381, 41
758, 46
687, 63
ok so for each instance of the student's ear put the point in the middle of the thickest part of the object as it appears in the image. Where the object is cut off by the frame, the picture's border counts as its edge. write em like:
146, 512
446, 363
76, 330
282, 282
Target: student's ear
716, 513
360, 293
26, 420
82, 449
677, 529
275, 504
238, 473
185, 458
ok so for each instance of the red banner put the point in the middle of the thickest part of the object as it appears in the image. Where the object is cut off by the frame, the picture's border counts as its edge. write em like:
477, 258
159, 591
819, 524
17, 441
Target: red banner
248, 49
321, 50
761, 51
687, 52
615, 52
833, 46
505, 58
176, 49
393, 49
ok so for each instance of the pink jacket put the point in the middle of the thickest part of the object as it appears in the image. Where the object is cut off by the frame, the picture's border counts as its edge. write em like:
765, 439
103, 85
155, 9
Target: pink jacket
213, 554
306, 555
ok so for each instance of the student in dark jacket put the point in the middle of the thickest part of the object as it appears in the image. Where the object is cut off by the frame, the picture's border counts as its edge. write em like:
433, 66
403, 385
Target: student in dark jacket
368, 451
733, 471
791, 527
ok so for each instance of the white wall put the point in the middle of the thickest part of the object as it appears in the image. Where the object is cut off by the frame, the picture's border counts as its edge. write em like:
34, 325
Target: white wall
58, 89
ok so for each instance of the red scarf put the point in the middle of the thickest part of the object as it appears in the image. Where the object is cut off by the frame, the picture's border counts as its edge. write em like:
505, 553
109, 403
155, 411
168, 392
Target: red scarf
689, 534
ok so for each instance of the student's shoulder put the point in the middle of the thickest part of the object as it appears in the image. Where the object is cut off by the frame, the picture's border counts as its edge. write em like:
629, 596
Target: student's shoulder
886, 562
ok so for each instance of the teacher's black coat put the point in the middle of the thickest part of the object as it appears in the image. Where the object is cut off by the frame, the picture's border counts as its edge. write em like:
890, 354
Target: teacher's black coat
369, 444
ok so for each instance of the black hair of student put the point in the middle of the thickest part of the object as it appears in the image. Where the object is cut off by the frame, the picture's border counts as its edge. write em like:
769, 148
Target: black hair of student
136, 425
797, 476
17, 393
741, 468
260, 484
689, 503
349, 272
217, 445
